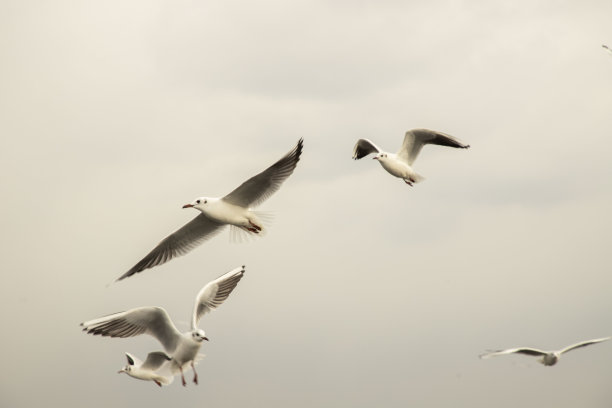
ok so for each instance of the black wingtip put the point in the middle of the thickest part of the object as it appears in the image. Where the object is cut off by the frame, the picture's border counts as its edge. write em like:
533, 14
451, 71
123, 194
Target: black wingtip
129, 273
125, 275
298, 148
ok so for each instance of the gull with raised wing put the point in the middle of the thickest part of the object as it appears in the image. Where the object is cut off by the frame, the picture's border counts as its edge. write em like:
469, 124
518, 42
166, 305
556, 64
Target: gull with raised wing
234, 209
183, 347
147, 370
400, 164
548, 358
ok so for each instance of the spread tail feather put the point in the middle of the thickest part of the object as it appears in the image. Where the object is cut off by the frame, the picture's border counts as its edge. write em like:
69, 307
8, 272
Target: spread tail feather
240, 235
418, 178
414, 178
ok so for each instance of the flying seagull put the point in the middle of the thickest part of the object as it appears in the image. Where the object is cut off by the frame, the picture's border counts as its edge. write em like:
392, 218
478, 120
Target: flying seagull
215, 213
400, 163
548, 358
147, 370
607, 48
155, 321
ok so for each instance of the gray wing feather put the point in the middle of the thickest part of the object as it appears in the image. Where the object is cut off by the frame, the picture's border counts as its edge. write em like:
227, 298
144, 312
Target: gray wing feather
522, 350
258, 188
155, 360
583, 344
415, 139
215, 293
363, 147
143, 320
178, 243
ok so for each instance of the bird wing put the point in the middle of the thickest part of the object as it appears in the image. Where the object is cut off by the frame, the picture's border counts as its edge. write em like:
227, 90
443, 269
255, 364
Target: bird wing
178, 243
143, 320
258, 188
214, 293
363, 147
583, 344
155, 360
522, 350
132, 360
415, 139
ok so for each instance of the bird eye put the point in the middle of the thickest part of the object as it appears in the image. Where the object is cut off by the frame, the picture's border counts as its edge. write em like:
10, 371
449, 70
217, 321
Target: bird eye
205, 201
198, 201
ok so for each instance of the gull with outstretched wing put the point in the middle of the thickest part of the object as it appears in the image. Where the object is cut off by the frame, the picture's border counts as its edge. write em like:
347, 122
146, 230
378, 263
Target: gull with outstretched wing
155, 321
400, 164
147, 370
548, 358
235, 209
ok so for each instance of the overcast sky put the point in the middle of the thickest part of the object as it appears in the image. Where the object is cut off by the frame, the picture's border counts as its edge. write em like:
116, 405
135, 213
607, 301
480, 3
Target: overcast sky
365, 291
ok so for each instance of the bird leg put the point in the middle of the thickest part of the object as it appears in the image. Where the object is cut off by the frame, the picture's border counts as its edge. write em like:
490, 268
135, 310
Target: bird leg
183, 377
409, 182
195, 374
157, 382
255, 226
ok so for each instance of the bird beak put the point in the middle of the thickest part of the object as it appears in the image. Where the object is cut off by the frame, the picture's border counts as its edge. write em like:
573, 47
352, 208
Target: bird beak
375, 158
120, 371
188, 206
205, 338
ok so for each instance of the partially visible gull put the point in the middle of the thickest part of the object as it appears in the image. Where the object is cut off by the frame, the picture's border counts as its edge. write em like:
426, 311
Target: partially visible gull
217, 212
147, 370
183, 347
607, 48
400, 163
548, 358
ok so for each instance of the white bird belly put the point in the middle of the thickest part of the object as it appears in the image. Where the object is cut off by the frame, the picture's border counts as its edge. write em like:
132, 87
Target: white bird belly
228, 213
185, 353
398, 169
145, 375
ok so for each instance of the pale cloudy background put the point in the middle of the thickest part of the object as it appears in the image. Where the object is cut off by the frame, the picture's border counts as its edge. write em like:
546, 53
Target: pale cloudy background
365, 292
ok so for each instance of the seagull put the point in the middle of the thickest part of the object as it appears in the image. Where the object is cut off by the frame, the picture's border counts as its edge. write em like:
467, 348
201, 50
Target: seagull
548, 358
215, 213
400, 163
155, 321
607, 48
147, 371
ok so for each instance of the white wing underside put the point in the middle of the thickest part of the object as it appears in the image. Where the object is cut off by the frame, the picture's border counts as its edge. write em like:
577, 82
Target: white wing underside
215, 293
143, 320
583, 344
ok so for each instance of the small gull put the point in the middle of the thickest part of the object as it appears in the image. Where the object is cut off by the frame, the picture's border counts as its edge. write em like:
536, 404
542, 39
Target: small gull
607, 48
548, 358
233, 209
155, 321
400, 163
147, 370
